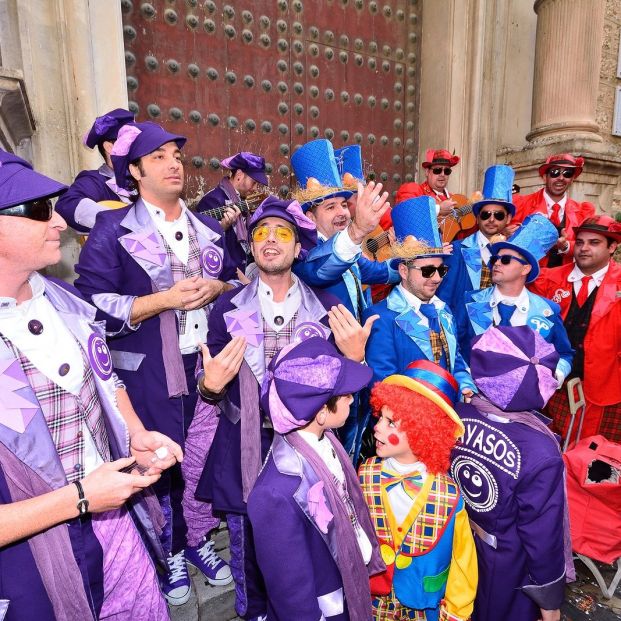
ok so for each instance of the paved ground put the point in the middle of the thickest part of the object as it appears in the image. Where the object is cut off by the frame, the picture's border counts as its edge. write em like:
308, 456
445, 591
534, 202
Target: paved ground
584, 600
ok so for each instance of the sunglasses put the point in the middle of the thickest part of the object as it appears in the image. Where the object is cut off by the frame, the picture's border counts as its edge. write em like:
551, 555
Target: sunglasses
427, 271
40, 210
281, 233
505, 259
439, 169
557, 172
498, 215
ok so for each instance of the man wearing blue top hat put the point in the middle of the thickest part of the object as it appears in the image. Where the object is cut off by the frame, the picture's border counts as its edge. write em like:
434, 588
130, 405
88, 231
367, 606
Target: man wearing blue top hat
327, 179
88, 194
152, 269
414, 324
469, 261
69, 544
245, 174
514, 263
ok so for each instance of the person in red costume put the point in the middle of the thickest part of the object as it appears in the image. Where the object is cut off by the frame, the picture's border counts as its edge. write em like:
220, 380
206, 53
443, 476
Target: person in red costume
589, 293
558, 173
438, 166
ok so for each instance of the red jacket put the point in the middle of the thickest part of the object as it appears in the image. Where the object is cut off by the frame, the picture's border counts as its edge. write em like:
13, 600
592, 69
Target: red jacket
602, 344
575, 214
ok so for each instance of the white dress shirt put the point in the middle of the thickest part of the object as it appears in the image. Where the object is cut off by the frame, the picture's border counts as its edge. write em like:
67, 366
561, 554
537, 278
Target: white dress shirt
521, 302
415, 303
577, 275
285, 309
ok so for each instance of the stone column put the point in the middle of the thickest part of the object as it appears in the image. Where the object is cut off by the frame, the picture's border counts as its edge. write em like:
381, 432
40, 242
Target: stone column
567, 66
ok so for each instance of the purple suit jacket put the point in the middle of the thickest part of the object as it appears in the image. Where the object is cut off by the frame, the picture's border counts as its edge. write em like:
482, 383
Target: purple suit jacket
33, 448
221, 481
511, 477
124, 258
297, 560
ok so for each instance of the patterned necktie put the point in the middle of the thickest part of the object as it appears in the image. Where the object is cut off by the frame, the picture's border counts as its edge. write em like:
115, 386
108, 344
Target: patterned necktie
412, 482
506, 312
583, 294
555, 217
429, 311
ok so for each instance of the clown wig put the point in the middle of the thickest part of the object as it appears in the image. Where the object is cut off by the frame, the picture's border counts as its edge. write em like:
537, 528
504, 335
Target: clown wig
430, 432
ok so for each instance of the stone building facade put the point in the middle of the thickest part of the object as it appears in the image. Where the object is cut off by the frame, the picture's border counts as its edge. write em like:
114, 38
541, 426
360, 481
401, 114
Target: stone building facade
499, 81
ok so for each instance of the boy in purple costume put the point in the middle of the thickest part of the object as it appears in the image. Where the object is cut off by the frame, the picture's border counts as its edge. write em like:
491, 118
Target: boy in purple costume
314, 539
69, 548
511, 474
81, 203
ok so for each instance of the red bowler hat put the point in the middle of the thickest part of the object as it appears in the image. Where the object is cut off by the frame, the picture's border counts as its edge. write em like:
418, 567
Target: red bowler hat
602, 225
439, 157
562, 160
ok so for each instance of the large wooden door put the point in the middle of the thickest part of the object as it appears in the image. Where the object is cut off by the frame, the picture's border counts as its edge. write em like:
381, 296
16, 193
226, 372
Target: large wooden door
269, 75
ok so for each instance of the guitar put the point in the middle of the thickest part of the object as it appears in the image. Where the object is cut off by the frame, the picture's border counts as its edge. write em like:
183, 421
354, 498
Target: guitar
377, 245
246, 206
461, 218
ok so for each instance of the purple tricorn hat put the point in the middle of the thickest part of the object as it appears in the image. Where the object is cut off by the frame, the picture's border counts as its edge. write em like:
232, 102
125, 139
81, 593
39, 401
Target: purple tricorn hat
107, 126
513, 367
250, 163
303, 377
291, 212
134, 141
19, 183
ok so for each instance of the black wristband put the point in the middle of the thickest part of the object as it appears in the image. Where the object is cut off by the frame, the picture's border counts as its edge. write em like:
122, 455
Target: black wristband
82, 501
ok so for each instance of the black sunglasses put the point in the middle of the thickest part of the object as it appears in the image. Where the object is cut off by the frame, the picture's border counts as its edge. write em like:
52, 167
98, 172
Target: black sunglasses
427, 271
568, 173
505, 259
498, 215
438, 170
40, 210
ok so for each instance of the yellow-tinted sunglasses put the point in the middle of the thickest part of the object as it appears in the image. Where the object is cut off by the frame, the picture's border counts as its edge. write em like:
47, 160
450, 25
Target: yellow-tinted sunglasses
281, 233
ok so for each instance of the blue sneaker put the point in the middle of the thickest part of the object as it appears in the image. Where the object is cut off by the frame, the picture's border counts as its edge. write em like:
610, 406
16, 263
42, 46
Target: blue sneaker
175, 584
205, 559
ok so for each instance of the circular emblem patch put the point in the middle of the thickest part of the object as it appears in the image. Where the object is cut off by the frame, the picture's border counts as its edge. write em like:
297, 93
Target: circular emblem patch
211, 260
541, 325
307, 330
476, 483
99, 356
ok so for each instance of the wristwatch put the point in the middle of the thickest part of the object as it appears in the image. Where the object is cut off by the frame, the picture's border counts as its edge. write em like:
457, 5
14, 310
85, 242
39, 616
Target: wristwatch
82, 501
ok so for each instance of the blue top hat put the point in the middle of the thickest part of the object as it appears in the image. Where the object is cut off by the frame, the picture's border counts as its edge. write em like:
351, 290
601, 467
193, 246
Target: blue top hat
497, 189
532, 240
349, 160
416, 218
315, 160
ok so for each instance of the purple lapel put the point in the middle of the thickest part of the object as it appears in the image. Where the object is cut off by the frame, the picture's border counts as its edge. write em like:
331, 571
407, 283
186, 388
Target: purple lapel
144, 244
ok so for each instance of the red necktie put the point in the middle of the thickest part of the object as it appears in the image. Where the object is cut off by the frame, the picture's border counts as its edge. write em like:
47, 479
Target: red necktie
583, 294
554, 218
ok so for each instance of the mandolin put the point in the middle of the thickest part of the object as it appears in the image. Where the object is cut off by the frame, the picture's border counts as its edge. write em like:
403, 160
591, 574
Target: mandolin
246, 206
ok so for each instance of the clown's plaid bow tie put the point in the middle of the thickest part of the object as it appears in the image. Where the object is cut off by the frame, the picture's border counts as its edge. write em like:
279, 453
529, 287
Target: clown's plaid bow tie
412, 482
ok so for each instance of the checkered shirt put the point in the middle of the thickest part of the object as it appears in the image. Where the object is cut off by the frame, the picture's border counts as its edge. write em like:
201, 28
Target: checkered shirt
274, 341
486, 277
181, 271
66, 414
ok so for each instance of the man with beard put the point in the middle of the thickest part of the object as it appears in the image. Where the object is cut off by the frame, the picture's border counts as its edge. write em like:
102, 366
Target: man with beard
469, 261
152, 269
247, 328
515, 263
246, 173
558, 172
589, 294
414, 324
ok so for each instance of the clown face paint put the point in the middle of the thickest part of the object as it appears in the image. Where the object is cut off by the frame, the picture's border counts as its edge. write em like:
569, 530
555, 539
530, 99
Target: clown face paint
390, 441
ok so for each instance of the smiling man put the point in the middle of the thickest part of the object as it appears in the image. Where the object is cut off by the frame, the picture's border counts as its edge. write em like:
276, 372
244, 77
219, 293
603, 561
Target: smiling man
508, 302
558, 172
589, 294
152, 269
